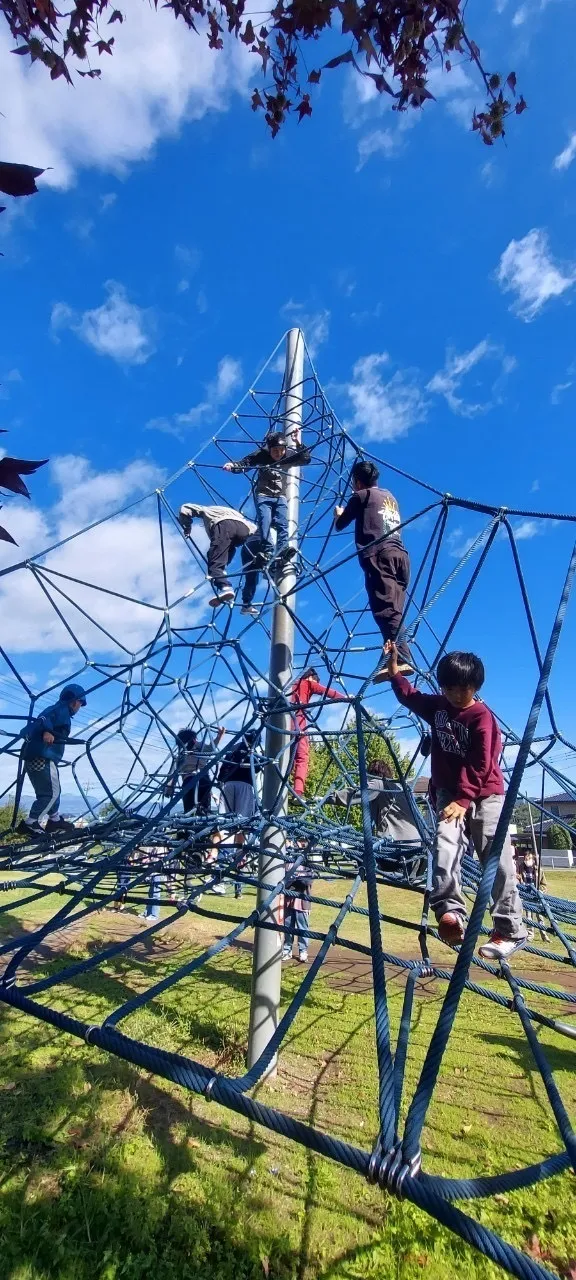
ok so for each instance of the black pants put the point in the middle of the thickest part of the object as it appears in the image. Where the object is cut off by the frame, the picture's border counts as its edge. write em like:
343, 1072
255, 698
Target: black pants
226, 537
387, 574
252, 563
198, 797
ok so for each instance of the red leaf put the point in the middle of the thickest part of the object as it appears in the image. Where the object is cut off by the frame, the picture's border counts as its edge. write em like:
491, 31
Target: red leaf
304, 108
256, 100
314, 77
511, 81
342, 57
11, 470
18, 179
521, 106
7, 537
116, 17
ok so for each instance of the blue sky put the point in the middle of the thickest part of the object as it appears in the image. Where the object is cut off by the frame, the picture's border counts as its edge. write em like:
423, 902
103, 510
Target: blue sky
173, 242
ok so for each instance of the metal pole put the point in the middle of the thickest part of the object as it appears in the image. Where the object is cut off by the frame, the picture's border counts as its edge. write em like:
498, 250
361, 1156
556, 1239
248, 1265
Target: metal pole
267, 962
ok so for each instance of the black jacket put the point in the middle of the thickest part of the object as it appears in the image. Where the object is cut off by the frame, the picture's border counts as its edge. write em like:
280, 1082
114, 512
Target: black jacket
269, 482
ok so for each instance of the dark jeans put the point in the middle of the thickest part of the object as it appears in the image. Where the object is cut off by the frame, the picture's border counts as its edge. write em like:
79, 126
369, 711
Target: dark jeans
387, 574
198, 796
272, 514
226, 537
252, 563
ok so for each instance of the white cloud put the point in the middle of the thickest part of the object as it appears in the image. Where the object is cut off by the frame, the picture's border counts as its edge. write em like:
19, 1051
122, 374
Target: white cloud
107, 200
447, 381
122, 554
118, 328
380, 142
527, 529
383, 410
558, 391
315, 325
160, 76
527, 270
228, 379
565, 158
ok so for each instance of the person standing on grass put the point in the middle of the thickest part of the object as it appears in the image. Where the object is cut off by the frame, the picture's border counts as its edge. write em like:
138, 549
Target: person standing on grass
193, 752
43, 750
382, 555
297, 907
467, 788
238, 793
227, 530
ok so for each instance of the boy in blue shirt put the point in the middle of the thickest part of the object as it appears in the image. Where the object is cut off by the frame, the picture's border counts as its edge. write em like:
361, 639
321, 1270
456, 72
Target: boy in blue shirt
45, 740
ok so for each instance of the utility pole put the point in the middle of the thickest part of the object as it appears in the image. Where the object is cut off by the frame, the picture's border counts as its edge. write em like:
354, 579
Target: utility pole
267, 962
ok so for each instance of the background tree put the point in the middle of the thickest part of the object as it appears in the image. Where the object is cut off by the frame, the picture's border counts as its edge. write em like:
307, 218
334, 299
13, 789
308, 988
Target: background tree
394, 43
559, 838
336, 754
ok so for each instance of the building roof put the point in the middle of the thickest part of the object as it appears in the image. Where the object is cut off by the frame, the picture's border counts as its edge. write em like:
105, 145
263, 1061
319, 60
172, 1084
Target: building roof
421, 786
562, 797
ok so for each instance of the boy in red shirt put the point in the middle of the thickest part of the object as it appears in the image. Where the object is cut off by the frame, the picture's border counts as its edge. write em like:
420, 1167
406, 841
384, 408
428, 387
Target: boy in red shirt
468, 791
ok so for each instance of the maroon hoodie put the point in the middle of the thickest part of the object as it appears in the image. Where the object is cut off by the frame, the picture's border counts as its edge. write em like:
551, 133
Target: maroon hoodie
466, 745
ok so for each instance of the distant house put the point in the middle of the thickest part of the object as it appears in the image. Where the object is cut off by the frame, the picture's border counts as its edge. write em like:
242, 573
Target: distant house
562, 805
421, 786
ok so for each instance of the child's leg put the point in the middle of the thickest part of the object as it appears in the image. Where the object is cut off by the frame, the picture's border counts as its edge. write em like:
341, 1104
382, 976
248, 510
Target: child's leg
264, 514
507, 906
290, 925
302, 922
280, 520
219, 552
301, 763
251, 574
43, 775
450, 845
387, 573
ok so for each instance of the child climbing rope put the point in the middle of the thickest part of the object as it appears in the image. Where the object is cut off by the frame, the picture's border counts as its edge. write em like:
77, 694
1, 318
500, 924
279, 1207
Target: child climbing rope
227, 530
43, 750
467, 789
381, 553
272, 461
306, 686
297, 907
193, 752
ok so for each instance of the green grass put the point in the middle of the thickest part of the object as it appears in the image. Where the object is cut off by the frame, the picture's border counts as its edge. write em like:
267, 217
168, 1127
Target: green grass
109, 1173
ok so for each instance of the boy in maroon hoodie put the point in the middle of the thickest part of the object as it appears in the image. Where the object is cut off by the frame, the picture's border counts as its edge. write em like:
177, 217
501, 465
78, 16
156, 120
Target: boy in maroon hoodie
468, 792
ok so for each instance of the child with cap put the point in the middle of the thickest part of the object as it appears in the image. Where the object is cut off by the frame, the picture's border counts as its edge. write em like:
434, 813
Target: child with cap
43, 750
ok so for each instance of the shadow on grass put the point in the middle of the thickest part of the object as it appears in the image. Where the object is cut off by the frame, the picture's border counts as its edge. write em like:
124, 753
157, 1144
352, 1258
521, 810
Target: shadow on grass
86, 1199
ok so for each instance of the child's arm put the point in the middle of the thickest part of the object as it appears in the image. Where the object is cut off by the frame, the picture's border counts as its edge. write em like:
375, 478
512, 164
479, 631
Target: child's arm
259, 458
343, 516
422, 704
316, 687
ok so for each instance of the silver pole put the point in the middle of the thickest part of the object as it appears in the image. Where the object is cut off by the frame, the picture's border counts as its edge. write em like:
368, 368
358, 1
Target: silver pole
267, 961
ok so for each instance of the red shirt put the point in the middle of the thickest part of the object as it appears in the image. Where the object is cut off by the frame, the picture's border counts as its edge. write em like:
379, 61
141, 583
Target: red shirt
466, 745
304, 690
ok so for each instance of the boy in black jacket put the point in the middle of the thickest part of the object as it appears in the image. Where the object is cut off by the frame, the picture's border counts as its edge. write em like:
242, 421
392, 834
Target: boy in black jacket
272, 461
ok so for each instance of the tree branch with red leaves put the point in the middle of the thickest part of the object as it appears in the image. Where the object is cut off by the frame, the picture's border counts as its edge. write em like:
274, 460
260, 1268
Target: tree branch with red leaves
394, 43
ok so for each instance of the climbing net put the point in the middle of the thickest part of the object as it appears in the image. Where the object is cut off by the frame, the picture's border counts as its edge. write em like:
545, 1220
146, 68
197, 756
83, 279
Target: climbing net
154, 658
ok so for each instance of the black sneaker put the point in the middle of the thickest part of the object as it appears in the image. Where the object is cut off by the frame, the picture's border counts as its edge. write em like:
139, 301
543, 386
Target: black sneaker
287, 554
60, 826
29, 829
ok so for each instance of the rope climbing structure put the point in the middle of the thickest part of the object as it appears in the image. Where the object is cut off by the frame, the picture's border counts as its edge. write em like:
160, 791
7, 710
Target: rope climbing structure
154, 657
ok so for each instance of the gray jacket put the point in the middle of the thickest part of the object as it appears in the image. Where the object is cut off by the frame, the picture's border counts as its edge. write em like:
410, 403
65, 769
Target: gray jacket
213, 515
389, 809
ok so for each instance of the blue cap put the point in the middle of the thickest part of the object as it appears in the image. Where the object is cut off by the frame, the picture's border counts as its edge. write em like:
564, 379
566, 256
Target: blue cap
73, 693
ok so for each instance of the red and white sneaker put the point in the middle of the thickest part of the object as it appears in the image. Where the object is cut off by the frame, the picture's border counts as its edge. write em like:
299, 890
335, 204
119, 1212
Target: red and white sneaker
451, 928
499, 948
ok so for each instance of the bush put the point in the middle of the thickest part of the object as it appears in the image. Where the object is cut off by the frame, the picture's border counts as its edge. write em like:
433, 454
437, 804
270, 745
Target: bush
559, 838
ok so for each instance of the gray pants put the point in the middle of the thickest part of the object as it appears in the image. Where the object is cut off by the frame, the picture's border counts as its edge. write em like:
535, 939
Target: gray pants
452, 843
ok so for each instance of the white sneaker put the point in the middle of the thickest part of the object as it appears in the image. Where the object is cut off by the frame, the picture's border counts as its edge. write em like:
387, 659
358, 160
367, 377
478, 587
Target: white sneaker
251, 609
499, 948
218, 888
303, 957
286, 955
222, 597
